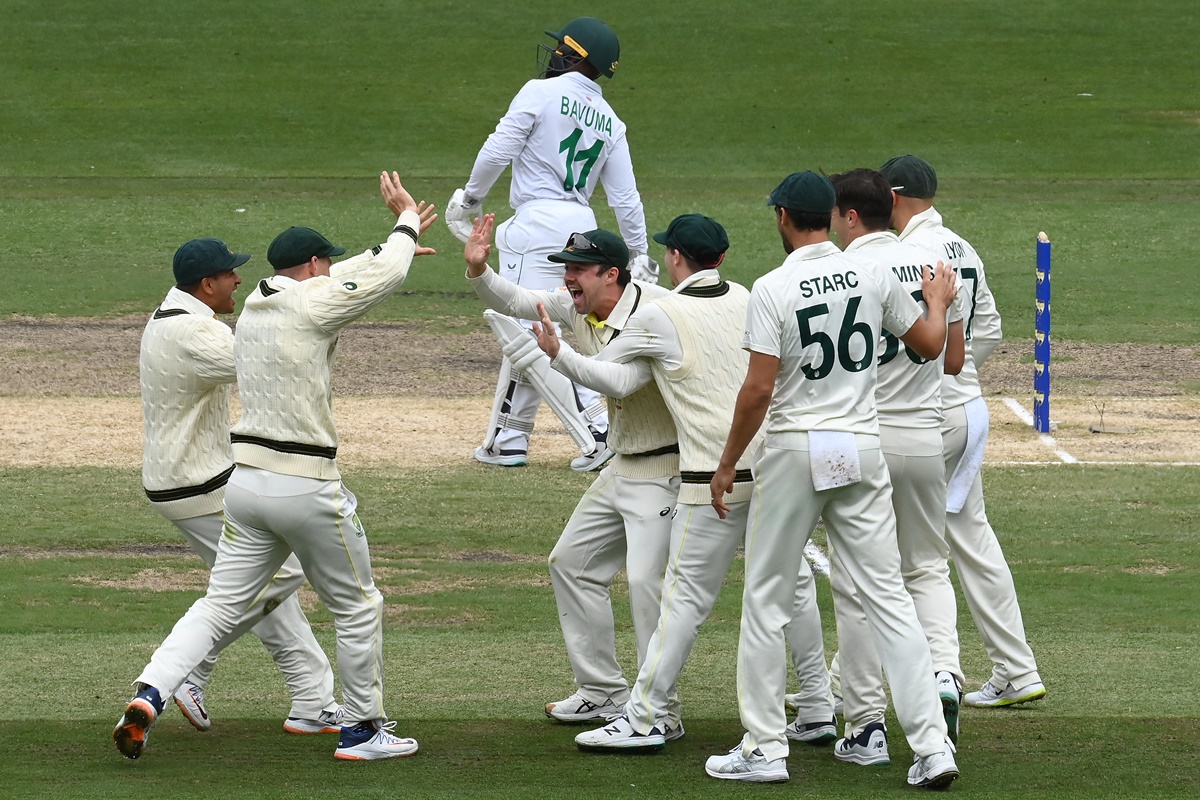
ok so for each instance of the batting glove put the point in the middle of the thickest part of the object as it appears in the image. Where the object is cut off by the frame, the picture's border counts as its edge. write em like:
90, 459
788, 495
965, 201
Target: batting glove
523, 352
644, 268
461, 212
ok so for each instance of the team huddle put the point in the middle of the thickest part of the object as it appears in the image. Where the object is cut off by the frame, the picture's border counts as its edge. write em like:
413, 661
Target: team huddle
843, 387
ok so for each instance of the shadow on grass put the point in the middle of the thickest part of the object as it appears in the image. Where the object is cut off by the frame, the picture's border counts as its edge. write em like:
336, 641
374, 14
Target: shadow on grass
1003, 754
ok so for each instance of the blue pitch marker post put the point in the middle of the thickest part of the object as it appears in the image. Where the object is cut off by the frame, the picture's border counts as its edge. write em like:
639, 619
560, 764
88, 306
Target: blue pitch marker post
1041, 338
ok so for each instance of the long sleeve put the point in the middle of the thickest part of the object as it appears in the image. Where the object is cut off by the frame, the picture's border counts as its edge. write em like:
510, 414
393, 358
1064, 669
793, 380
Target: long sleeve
505, 143
211, 349
516, 301
358, 284
609, 378
986, 332
620, 187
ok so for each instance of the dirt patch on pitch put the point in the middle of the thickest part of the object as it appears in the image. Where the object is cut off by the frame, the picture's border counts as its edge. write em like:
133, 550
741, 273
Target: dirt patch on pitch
407, 394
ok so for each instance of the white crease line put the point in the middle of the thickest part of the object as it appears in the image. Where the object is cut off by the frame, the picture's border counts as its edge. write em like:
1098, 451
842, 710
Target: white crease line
1047, 440
816, 557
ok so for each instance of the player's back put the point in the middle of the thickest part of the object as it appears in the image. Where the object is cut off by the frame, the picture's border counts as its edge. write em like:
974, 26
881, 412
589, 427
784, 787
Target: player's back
908, 390
822, 313
573, 133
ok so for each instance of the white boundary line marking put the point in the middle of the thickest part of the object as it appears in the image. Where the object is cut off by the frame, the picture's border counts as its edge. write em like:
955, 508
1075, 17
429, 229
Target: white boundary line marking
1094, 463
1027, 418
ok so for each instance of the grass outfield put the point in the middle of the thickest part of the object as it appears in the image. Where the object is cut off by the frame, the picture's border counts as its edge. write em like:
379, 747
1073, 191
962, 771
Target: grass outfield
1106, 573
129, 130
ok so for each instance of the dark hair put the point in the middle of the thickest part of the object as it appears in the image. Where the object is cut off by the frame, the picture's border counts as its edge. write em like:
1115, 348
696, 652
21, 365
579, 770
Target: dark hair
624, 276
867, 192
190, 288
808, 220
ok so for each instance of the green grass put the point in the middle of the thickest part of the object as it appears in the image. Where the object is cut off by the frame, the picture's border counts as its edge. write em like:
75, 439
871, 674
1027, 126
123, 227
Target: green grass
128, 131
1105, 559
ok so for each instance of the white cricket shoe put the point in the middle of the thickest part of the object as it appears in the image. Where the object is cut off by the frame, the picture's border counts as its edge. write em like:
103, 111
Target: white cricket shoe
578, 708
673, 732
190, 699
514, 458
370, 740
326, 722
951, 697
812, 732
593, 462
867, 749
733, 766
992, 696
619, 735
936, 771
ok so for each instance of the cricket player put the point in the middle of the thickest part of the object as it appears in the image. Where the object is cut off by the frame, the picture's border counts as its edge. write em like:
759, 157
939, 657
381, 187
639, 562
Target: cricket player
624, 518
285, 495
689, 344
983, 572
186, 366
562, 138
908, 401
812, 329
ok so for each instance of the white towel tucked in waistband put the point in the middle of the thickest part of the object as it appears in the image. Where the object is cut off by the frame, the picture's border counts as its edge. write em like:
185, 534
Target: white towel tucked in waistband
971, 461
833, 458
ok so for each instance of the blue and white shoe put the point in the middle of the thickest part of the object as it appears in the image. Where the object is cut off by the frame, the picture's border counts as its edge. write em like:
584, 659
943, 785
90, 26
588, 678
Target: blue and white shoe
951, 697
867, 749
812, 732
370, 740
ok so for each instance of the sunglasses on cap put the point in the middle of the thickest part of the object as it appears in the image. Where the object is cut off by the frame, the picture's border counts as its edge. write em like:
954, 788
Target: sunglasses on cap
578, 243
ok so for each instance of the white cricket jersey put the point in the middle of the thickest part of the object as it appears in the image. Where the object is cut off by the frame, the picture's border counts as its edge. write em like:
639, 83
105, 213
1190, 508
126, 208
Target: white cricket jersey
186, 367
908, 393
286, 346
821, 313
981, 320
562, 138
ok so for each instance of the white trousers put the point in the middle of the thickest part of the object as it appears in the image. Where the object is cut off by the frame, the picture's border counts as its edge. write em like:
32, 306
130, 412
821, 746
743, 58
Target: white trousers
862, 525
918, 476
269, 516
524, 242
284, 631
983, 572
702, 547
619, 522
806, 638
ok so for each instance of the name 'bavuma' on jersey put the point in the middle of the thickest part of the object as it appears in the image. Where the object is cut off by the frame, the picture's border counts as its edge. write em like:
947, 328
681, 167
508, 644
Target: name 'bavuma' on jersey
590, 117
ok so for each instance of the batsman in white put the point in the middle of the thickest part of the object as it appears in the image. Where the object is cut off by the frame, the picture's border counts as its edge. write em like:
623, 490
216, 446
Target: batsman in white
689, 344
812, 328
983, 572
623, 519
286, 495
562, 138
186, 366
908, 401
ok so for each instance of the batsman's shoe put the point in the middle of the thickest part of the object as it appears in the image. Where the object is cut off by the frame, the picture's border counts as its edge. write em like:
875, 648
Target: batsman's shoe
371, 740
133, 728
733, 766
867, 749
502, 458
594, 462
326, 722
190, 699
619, 736
992, 696
935, 771
578, 708
951, 697
812, 732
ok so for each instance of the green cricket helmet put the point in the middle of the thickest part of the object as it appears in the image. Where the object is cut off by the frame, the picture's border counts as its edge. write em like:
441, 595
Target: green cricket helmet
582, 39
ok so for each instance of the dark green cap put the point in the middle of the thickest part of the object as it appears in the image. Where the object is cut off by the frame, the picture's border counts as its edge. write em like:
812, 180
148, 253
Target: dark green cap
594, 247
296, 246
804, 191
700, 238
911, 176
201, 258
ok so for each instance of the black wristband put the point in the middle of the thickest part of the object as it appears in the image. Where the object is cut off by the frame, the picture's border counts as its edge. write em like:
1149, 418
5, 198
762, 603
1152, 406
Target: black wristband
405, 229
